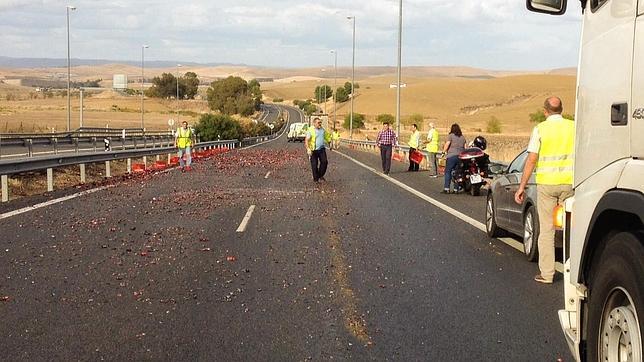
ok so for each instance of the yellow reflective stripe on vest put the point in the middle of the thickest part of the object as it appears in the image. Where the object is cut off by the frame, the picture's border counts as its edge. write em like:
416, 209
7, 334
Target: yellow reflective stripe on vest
432, 146
556, 154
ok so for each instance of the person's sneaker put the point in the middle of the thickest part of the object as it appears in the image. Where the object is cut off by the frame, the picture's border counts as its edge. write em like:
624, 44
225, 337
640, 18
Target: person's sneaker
322, 179
183, 169
539, 279
188, 168
446, 192
433, 176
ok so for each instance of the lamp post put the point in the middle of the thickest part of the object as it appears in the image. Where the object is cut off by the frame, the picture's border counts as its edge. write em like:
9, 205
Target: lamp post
178, 66
69, 105
400, 18
335, 86
353, 74
143, 47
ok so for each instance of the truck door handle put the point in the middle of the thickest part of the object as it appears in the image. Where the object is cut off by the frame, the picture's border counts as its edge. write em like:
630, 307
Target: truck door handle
619, 114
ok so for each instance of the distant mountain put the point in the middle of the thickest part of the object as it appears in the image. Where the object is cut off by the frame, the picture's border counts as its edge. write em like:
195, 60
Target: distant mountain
9, 62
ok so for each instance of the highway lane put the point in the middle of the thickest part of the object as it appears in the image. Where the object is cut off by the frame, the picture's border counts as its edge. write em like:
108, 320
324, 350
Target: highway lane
354, 268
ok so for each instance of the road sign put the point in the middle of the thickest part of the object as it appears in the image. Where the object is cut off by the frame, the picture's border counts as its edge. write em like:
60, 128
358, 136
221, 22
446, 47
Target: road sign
171, 122
394, 85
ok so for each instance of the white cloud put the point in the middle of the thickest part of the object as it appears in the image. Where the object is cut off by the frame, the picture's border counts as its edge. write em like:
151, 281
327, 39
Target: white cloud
290, 32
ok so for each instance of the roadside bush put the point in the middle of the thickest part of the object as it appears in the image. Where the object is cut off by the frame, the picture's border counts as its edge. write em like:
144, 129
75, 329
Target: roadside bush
415, 118
537, 116
493, 125
212, 127
358, 121
385, 117
278, 100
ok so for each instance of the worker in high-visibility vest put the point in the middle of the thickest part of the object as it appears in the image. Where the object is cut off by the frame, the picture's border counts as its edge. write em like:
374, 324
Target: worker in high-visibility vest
335, 138
550, 156
432, 150
414, 142
316, 141
183, 140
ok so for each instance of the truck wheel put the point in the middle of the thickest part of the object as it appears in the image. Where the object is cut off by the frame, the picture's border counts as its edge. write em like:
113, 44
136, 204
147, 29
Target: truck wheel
491, 228
616, 300
531, 234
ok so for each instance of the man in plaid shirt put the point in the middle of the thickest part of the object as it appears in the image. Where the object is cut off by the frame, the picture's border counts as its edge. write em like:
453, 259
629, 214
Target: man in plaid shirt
386, 140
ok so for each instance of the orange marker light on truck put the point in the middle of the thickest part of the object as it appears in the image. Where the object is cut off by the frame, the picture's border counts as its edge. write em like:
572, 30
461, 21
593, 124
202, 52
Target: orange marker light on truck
558, 215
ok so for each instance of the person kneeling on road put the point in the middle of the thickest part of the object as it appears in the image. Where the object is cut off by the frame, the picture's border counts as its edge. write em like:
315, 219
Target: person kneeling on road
316, 141
183, 141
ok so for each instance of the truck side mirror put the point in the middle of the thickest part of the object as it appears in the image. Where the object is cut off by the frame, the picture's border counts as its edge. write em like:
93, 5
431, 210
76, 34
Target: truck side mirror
552, 7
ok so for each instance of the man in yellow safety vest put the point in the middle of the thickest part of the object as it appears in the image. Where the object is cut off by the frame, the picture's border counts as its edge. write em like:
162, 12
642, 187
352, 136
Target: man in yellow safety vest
414, 141
551, 150
183, 141
316, 141
335, 137
432, 150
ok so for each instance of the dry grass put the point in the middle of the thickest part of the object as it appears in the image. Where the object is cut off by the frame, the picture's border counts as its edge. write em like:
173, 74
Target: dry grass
469, 102
100, 110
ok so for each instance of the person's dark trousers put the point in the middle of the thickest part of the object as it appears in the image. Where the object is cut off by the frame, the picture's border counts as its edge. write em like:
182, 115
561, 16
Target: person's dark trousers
385, 156
318, 164
450, 165
413, 166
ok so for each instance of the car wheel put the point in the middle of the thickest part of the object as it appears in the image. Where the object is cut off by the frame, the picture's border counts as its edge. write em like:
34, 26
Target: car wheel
530, 234
491, 228
616, 301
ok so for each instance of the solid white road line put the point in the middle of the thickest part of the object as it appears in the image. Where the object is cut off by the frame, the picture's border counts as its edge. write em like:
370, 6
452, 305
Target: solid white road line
477, 224
51, 202
244, 222
267, 174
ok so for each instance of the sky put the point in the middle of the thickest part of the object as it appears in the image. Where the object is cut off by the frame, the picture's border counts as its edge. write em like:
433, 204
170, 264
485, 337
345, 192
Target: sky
490, 34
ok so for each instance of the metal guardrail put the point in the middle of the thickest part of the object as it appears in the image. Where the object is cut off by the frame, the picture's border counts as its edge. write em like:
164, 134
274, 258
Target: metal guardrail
39, 163
10, 167
91, 137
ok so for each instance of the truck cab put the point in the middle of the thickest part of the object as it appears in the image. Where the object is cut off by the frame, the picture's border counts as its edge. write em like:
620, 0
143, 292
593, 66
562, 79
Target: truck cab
603, 315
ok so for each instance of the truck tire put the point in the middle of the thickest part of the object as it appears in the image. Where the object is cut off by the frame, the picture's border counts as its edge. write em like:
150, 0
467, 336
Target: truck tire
616, 300
531, 234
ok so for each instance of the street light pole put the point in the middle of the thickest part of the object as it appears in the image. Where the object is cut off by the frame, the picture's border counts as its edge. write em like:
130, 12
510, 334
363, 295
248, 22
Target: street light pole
178, 66
335, 86
69, 104
143, 47
400, 19
353, 74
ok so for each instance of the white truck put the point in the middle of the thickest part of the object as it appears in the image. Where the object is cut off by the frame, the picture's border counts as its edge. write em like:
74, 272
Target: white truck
603, 317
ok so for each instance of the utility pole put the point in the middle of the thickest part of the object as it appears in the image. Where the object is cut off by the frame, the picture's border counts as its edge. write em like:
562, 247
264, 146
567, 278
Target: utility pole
143, 47
69, 104
353, 75
400, 19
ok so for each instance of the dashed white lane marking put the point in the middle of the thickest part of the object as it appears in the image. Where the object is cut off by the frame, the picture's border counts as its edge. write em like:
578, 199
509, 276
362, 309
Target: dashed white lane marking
51, 202
267, 174
477, 224
244, 222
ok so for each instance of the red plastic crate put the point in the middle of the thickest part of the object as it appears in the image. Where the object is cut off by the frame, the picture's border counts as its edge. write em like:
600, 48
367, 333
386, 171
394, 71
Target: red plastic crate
138, 167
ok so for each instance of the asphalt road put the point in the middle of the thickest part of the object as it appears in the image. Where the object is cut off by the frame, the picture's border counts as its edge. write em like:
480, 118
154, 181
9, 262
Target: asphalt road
355, 268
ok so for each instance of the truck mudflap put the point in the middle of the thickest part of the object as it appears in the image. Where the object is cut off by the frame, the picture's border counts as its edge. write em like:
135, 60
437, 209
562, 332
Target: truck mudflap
568, 326
569, 317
